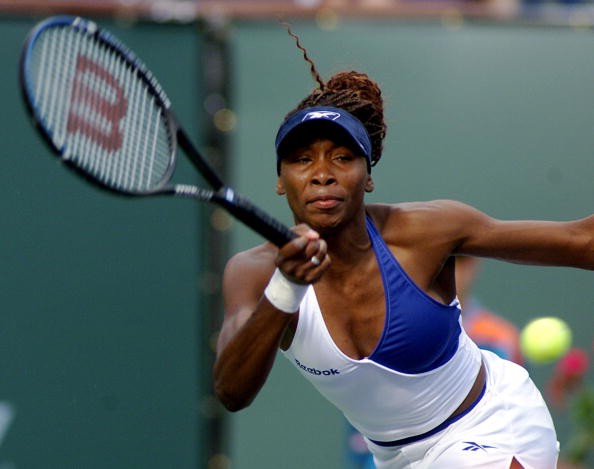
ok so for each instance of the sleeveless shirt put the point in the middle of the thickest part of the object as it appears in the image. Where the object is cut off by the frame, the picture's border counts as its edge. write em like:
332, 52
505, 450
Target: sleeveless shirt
421, 370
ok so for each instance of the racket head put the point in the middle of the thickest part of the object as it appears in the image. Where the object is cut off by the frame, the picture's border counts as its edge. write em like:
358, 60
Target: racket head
98, 106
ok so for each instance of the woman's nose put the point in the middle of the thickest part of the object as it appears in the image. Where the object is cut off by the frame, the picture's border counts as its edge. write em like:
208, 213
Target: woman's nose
322, 174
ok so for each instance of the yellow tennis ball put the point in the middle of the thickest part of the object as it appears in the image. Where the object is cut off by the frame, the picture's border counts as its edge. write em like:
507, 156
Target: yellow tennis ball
545, 339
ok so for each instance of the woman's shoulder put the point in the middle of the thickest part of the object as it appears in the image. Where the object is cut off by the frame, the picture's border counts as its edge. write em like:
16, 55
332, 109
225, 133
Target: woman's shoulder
383, 213
253, 261
412, 218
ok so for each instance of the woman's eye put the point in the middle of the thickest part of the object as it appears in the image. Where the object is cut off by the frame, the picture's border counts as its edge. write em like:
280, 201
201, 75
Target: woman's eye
343, 157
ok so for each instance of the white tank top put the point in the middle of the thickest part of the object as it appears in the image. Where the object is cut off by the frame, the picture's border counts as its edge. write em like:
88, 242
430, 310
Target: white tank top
380, 402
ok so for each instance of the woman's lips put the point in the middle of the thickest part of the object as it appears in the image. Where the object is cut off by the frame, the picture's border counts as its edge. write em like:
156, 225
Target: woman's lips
324, 201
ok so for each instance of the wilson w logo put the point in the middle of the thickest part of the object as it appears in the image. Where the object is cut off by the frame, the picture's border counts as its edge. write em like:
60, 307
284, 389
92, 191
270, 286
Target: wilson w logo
97, 105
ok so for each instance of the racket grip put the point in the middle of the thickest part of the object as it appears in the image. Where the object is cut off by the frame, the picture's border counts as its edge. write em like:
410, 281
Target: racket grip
254, 217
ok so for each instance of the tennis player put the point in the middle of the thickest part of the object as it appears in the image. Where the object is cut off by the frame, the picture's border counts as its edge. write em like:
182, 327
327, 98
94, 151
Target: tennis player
363, 301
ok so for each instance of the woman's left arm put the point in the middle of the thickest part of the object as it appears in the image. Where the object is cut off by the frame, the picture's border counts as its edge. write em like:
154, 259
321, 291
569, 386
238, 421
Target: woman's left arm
553, 243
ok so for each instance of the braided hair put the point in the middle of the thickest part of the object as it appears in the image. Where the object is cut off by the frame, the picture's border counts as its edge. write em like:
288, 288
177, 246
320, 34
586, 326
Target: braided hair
352, 91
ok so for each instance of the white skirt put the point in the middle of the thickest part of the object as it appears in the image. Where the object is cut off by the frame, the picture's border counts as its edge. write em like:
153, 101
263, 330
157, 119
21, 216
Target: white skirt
511, 420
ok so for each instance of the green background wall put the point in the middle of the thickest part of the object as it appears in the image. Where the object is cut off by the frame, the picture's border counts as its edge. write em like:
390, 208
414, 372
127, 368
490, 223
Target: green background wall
99, 295
99, 329
499, 116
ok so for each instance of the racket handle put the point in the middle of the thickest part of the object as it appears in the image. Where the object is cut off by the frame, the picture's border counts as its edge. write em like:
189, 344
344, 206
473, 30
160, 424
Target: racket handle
254, 217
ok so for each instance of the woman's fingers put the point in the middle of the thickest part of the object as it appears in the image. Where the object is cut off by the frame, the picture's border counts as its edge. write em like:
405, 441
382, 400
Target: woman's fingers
305, 258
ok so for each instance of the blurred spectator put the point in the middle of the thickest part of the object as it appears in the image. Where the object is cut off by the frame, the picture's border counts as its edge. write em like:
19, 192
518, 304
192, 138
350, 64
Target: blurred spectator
569, 390
568, 376
489, 330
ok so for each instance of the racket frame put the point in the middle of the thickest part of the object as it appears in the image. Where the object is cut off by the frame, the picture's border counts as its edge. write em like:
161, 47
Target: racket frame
222, 195
140, 70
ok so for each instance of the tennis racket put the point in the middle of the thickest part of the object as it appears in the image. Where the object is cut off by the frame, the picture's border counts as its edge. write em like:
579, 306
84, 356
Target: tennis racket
107, 117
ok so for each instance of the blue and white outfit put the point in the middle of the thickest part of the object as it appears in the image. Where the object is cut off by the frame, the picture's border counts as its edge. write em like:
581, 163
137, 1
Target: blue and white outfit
424, 365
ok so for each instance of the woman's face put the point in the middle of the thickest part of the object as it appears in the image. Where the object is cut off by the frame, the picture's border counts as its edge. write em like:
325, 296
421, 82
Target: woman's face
325, 182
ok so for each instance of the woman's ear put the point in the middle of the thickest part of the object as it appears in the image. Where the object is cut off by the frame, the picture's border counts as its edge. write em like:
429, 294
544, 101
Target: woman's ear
369, 186
280, 188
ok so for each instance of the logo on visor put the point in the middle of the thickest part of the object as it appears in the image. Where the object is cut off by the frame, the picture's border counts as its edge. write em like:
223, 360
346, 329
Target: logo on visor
330, 115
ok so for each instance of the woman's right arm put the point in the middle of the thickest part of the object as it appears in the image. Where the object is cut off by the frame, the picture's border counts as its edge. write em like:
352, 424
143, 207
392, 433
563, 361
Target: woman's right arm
253, 327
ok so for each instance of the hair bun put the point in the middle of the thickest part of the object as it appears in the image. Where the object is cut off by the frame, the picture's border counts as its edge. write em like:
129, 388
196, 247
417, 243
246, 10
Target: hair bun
352, 91
360, 85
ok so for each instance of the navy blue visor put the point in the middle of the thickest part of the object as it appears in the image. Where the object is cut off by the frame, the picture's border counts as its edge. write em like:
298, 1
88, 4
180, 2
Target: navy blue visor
349, 125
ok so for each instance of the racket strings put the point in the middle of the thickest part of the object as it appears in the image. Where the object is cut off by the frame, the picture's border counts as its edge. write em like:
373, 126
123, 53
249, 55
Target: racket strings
98, 110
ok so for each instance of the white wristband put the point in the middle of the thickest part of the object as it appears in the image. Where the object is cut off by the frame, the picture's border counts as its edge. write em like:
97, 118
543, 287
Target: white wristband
284, 294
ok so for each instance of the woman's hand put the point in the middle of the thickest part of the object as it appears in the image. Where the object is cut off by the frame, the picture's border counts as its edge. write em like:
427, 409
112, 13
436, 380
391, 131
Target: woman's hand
305, 258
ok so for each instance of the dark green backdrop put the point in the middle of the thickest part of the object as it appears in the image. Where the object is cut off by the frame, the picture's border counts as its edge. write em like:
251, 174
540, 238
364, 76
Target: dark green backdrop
100, 298
99, 329
499, 116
